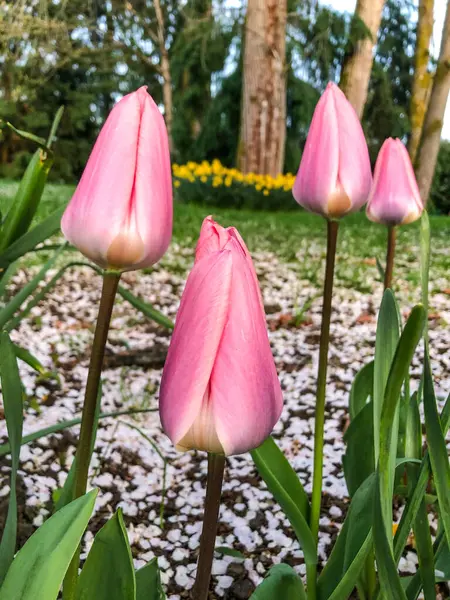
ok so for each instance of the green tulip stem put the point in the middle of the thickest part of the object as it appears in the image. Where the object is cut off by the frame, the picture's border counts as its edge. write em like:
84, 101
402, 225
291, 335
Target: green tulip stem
316, 497
216, 467
390, 254
83, 453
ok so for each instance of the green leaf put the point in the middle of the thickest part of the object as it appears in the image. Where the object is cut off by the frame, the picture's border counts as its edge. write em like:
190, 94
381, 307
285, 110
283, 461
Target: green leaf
14, 304
145, 308
400, 367
281, 582
418, 492
388, 331
283, 483
5, 276
27, 136
351, 548
39, 567
62, 425
32, 238
437, 448
229, 552
382, 531
425, 257
148, 582
359, 459
388, 576
108, 572
414, 584
67, 492
362, 389
421, 527
29, 359
380, 269
13, 405
27, 199
54, 127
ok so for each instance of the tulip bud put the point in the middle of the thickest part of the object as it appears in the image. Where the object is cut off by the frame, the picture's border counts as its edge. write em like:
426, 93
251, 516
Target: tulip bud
394, 198
219, 389
121, 213
334, 177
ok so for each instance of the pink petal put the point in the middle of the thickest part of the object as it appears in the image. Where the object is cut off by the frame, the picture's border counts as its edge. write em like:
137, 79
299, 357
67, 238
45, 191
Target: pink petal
151, 202
355, 173
245, 392
213, 237
99, 206
195, 340
318, 173
394, 198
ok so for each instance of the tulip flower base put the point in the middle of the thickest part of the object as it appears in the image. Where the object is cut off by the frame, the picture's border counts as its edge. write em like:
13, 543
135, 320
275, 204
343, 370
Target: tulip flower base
127, 469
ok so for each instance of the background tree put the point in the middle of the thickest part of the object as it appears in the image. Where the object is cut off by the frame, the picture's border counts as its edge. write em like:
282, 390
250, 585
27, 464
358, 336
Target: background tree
263, 116
434, 120
358, 62
422, 76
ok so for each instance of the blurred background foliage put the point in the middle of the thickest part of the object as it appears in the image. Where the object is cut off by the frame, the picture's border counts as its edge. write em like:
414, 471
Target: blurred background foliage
84, 55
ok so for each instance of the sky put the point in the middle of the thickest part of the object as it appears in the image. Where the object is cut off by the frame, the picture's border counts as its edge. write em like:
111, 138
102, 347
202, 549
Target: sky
439, 14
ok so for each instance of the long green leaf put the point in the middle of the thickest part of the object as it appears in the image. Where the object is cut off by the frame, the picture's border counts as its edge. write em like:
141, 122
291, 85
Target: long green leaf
27, 199
400, 366
13, 405
382, 531
62, 425
362, 389
39, 567
388, 328
437, 448
5, 277
29, 359
148, 582
281, 582
415, 583
389, 578
145, 308
421, 527
359, 460
32, 238
108, 573
351, 548
14, 304
418, 492
67, 492
283, 483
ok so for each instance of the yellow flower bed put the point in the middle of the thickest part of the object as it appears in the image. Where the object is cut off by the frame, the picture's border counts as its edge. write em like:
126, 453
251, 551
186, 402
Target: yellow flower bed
217, 175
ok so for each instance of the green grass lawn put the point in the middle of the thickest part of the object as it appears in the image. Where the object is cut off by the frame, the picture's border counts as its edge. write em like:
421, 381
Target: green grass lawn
294, 237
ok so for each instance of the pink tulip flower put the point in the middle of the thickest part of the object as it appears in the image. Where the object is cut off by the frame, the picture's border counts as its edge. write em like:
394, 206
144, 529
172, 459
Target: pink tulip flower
394, 198
121, 213
334, 177
219, 390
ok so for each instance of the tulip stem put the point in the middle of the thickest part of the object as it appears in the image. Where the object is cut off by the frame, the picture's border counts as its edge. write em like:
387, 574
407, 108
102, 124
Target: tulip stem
316, 498
390, 257
84, 448
216, 467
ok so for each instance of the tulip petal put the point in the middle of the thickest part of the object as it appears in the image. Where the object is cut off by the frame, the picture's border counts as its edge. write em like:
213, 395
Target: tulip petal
318, 172
245, 392
212, 238
99, 206
198, 330
395, 197
151, 201
355, 174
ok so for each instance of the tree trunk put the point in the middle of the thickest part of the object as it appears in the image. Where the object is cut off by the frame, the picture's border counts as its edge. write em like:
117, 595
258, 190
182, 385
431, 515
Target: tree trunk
358, 63
165, 72
422, 77
432, 128
263, 107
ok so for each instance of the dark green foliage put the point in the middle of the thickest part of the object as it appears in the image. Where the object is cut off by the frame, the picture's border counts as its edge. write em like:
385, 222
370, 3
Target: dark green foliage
440, 191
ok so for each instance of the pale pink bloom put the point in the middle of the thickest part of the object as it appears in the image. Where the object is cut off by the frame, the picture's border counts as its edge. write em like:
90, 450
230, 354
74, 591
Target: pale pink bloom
334, 177
394, 198
121, 213
219, 390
